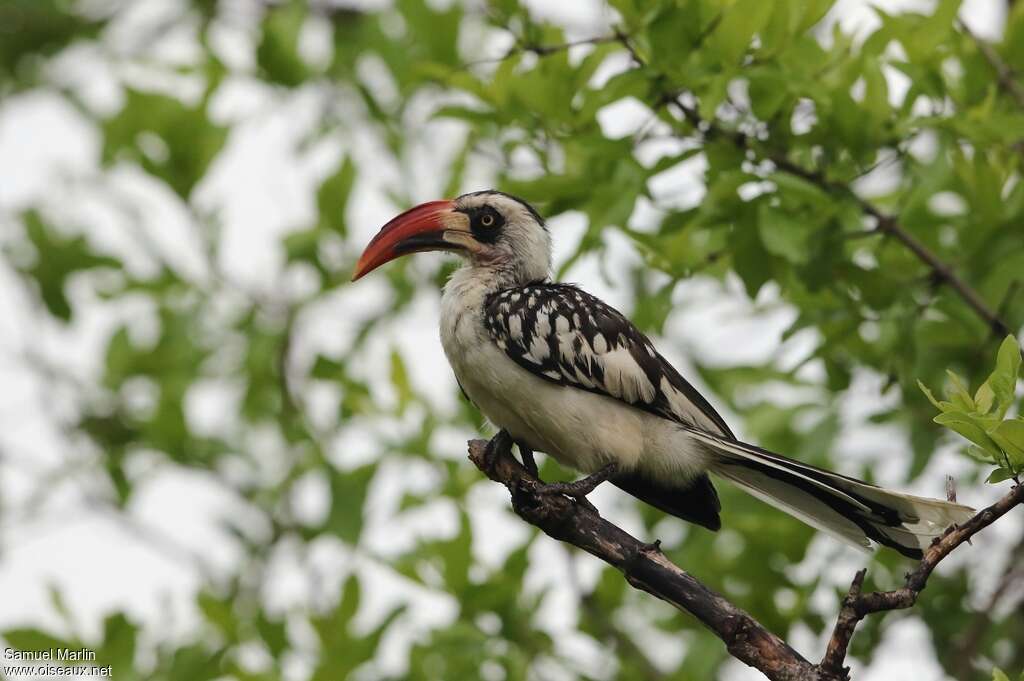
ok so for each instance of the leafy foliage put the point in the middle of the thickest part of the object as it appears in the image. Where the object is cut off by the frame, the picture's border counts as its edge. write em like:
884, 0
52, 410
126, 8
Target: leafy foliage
778, 159
980, 419
999, 675
190, 141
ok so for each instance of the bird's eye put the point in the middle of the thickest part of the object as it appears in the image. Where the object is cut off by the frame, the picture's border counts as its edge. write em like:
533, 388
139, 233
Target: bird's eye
487, 220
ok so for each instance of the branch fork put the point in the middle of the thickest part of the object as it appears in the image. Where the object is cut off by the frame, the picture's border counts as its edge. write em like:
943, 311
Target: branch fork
645, 567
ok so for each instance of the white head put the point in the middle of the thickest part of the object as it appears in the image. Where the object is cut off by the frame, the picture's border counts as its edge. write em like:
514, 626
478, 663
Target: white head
499, 234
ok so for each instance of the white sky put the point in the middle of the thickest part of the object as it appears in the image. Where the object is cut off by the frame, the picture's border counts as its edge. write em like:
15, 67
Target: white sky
49, 154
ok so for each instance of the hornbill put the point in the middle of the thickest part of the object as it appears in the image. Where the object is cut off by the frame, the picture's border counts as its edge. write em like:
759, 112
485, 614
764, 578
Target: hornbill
563, 373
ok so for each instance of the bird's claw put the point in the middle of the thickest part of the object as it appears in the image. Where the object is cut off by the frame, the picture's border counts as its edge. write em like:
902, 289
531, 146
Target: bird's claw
502, 442
529, 463
579, 489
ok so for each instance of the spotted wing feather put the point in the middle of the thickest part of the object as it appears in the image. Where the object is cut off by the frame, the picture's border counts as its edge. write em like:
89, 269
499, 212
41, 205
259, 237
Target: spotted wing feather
567, 336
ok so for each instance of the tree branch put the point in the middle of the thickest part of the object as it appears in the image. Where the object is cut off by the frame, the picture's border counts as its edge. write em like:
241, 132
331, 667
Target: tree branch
646, 568
857, 605
884, 223
942, 270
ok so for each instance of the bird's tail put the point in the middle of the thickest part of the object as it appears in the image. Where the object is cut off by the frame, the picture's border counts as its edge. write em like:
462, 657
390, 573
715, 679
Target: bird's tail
849, 509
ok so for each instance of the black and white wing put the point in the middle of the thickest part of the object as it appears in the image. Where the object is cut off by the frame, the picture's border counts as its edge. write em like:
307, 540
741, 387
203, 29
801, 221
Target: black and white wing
567, 336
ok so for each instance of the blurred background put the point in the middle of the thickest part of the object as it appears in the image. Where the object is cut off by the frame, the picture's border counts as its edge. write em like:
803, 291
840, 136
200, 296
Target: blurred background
219, 459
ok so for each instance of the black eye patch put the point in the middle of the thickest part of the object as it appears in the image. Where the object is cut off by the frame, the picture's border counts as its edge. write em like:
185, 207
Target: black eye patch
485, 222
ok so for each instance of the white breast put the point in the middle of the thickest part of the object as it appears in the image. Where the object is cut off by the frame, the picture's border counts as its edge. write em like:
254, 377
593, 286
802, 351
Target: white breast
580, 429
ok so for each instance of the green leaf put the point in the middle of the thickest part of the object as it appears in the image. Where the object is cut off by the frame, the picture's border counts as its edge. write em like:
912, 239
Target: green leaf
814, 11
195, 663
327, 369
964, 424
931, 398
876, 91
332, 197
37, 28
1003, 381
784, 235
998, 675
464, 113
351, 597
1009, 435
348, 494
400, 381
750, 257
999, 475
979, 454
433, 34
303, 246
797, 190
57, 258
768, 92
958, 393
219, 613
60, 605
188, 140
278, 51
740, 21
118, 647
457, 556
273, 632
984, 398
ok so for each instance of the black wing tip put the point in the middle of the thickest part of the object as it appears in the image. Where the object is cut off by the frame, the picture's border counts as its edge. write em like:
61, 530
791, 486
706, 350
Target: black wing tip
713, 523
695, 502
912, 552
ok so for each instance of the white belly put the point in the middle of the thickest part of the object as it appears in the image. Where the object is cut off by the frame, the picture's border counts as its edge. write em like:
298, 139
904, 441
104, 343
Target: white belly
580, 429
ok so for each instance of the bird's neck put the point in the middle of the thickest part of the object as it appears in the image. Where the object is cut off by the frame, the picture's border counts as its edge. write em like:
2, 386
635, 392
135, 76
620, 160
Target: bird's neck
464, 298
462, 308
476, 281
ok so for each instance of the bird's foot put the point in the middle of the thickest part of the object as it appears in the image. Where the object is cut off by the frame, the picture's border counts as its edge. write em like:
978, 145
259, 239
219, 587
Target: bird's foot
502, 442
579, 489
529, 463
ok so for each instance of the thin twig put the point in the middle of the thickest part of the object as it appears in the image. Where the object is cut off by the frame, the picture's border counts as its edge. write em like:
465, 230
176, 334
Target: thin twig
1006, 76
884, 223
544, 50
942, 271
857, 605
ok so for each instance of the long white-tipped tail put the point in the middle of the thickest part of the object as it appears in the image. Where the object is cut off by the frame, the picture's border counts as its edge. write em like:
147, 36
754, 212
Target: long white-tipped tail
847, 508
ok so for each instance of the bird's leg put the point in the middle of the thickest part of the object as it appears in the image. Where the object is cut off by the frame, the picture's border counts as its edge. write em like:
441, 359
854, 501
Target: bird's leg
529, 463
502, 442
579, 489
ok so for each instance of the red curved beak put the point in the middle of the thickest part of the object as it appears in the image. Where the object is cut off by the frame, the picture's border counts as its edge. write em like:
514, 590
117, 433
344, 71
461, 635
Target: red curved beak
418, 229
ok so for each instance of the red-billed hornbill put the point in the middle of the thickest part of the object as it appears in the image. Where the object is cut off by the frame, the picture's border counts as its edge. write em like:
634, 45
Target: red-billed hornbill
565, 374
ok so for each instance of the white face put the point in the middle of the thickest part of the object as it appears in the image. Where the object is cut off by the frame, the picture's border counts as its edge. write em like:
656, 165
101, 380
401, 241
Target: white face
508, 234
